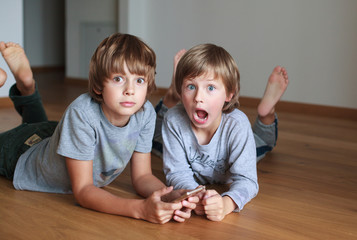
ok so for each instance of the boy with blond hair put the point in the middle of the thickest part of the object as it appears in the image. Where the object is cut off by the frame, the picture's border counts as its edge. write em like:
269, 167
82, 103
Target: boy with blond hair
206, 139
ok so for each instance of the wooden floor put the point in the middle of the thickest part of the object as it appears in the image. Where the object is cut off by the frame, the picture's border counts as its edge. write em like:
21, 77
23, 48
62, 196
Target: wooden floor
308, 188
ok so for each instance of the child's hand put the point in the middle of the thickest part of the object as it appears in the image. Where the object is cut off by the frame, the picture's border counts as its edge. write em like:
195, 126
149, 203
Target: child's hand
156, 211
185, 213
187, 205
199, 210
213, 205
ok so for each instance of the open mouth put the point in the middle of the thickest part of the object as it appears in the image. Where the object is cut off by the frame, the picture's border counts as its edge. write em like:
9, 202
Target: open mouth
200, 116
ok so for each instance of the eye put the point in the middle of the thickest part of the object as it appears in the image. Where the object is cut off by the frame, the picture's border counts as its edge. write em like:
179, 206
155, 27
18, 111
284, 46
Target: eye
191, 87
118, 79
140, 80
211, 88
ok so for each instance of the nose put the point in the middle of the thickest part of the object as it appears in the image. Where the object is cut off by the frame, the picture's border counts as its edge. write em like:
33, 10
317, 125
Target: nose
129, 88
198, 96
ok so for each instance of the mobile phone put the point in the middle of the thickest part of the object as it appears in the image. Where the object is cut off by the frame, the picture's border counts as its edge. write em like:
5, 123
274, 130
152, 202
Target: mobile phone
190, 193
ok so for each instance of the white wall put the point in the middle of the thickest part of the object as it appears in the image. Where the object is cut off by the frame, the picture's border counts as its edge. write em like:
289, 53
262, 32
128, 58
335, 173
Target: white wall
315, 40
11, 29
81, 13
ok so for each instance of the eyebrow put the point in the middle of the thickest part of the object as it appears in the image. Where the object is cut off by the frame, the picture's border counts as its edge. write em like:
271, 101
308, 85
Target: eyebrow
192, 78
124, 74
207, 79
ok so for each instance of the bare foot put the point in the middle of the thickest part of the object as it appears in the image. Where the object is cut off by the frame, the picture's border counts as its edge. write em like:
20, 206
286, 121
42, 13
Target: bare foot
3, 77
276, 86
171, 98
177, 58
19, 65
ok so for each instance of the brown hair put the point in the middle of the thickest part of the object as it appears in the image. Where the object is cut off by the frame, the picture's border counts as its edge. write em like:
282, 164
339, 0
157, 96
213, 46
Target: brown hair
110, 56
205, 57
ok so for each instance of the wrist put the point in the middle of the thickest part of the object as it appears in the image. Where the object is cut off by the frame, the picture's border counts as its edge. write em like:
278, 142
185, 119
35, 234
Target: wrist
229, 205
138, 208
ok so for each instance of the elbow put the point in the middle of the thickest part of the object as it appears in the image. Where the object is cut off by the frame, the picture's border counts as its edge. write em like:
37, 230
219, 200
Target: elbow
78, 198
80, 195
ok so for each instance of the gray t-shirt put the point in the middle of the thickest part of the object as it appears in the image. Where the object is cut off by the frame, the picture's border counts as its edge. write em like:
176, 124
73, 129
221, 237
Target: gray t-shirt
230, 156
84, 133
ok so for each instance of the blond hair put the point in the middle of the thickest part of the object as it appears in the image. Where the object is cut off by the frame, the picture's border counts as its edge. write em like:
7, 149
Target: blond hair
110, 56
208, 57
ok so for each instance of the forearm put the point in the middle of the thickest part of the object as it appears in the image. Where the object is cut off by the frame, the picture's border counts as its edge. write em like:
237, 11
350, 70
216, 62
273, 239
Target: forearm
100, 200
147, 184
144, 182
242, 191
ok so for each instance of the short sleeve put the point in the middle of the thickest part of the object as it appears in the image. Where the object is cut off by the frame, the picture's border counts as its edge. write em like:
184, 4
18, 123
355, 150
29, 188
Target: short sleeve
77, 137
147, 124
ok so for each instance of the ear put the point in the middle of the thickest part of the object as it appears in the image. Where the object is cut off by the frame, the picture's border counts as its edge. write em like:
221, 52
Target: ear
97, 91
229, 97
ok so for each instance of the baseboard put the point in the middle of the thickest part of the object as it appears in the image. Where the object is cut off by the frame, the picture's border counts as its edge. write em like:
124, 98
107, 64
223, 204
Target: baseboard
76, 81
5, 102
47, 69
304, 108
160, 91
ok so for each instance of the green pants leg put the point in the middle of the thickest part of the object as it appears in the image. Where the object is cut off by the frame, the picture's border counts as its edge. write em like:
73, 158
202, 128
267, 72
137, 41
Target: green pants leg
30, 107
35, 127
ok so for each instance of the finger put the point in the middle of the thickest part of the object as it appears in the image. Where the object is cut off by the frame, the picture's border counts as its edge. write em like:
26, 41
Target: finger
179, 219
211, 209
170, 207
214, 218
183, 214
165, 219
194, 199
211, 198
210, 193
163, 191
166, 207
189, 205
